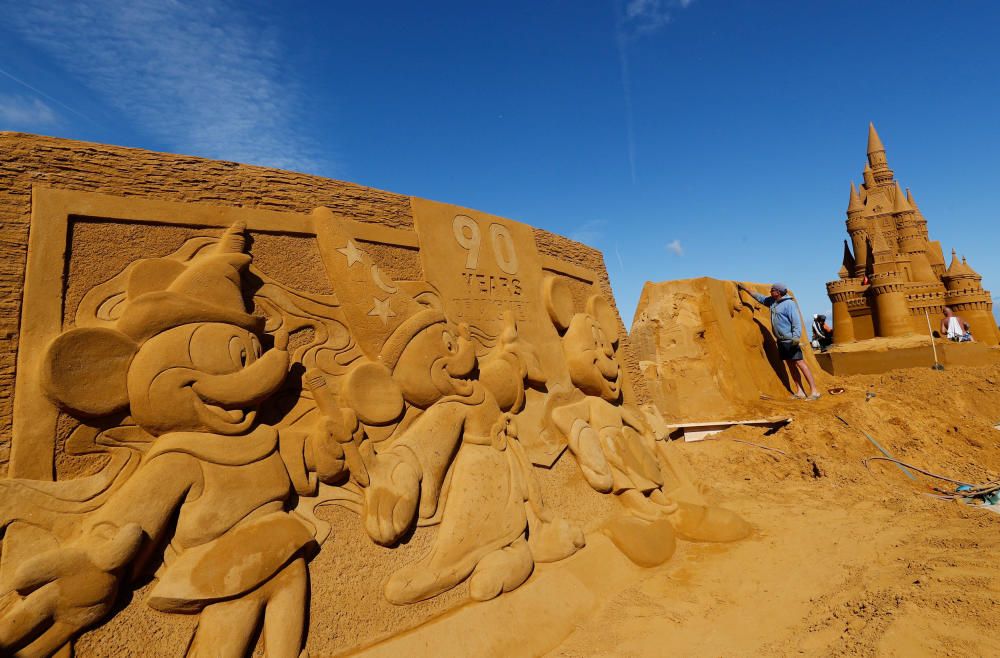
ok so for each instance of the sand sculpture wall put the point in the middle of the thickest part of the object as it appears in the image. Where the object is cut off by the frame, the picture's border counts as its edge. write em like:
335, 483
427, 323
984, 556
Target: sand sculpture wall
257, 410
706, 350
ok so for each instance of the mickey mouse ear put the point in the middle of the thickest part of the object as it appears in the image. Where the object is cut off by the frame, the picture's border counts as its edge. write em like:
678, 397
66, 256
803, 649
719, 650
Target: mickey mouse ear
601, 311
85, 370
558, 302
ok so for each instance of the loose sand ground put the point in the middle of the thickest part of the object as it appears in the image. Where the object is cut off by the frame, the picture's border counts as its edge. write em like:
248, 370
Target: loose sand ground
845, 561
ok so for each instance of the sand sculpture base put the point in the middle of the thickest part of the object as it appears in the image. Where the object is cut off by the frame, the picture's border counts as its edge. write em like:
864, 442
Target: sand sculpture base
877, 355
707, 351
545, 610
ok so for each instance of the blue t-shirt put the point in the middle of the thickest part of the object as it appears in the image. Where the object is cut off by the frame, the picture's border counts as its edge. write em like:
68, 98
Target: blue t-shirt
785, 321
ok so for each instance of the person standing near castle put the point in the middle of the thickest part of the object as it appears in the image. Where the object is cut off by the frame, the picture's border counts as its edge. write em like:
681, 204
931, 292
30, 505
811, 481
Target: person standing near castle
787, 327
822, 333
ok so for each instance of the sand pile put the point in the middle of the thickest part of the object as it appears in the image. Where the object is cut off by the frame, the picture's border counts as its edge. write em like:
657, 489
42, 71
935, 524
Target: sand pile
846, 561
706, 351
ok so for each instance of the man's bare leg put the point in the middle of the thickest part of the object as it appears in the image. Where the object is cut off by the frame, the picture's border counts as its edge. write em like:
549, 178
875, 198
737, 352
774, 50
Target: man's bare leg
796, 378
804, 368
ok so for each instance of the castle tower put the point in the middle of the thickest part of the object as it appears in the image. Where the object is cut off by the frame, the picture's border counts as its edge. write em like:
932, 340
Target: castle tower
910, 241
887, 288
876, 158
965, 295
856, 228
921, 222
843, 291
935, 255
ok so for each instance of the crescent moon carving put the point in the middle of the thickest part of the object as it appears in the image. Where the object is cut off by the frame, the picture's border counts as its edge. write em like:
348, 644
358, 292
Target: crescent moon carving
382, 285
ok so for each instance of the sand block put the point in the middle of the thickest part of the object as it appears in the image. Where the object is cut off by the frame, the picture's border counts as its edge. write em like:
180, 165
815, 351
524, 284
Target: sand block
706, 350
879, 355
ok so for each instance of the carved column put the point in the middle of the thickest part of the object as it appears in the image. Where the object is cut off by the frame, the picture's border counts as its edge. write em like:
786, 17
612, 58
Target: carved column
911, 243
892, 316
840, 292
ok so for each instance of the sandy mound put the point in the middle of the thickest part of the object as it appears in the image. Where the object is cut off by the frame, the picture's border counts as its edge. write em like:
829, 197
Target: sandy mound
846, 561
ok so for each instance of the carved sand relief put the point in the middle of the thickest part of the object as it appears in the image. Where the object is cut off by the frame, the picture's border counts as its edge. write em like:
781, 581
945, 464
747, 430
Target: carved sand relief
230, 410
615, 445
445, 443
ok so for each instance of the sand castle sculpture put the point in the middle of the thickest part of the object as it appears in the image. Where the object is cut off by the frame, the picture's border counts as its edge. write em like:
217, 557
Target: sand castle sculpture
892, 272
247, 427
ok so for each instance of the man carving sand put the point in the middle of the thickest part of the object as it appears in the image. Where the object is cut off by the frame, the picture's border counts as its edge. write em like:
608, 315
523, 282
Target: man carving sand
787, 327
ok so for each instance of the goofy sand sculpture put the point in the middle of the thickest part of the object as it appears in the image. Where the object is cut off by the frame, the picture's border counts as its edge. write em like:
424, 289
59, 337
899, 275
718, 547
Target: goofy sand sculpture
222, 433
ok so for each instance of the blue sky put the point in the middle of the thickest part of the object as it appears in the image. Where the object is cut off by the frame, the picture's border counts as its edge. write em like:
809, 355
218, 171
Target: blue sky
683, 138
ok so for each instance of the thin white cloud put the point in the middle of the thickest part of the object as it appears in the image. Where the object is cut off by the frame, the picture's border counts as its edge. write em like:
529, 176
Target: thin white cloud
675, 247
23, 113
590, 232
202, 77
647, 16
623, 68
635, 19
41, 93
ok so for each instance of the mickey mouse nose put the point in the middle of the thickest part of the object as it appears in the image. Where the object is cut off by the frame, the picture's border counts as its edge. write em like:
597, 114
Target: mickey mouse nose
247, 387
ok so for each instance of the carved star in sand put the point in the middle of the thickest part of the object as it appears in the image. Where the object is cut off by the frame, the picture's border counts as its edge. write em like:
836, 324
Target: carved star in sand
352, 252
382, 310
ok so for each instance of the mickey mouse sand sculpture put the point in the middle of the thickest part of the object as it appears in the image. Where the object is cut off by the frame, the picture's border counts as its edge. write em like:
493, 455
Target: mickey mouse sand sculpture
214, 487
615, 446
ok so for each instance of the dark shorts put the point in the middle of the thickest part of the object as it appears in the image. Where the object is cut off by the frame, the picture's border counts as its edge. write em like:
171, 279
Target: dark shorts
789, 350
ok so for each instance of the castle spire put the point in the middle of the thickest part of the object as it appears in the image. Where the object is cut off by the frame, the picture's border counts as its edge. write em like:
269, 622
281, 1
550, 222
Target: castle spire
899, 204
874, 143
868, 176
854, 203
954, 267
969, 267
848, 263
921, 222
876, 157
959, 269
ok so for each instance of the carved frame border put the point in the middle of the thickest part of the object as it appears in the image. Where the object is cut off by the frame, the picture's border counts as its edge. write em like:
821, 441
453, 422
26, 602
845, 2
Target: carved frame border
34, 416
